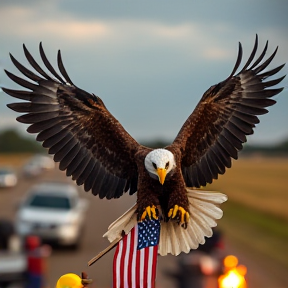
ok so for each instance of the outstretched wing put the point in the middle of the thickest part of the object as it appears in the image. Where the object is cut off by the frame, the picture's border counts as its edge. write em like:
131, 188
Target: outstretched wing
90, 144
216, 130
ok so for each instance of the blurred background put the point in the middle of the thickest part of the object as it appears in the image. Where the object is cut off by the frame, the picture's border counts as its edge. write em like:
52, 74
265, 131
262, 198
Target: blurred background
150, 62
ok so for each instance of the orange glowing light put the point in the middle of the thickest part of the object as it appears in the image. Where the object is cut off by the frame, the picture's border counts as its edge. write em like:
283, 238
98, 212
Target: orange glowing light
242, 270
234, 276
230, 261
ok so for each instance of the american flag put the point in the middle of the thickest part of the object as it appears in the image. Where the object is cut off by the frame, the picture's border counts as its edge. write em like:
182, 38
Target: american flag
135, 258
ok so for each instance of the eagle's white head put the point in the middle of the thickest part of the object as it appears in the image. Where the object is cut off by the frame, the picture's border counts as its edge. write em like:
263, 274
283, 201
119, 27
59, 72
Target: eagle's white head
159, 163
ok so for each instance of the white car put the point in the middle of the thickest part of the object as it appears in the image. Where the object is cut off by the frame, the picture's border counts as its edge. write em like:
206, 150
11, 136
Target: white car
54, 212
8, 177
37, 164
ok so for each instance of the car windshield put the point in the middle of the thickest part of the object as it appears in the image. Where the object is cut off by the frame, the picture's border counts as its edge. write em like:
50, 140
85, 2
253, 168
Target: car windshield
4, 172
50, 201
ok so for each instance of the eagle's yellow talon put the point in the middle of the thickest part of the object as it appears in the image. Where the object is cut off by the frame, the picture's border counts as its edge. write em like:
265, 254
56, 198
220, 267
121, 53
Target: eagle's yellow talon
183, 214
175, 210
148, 209
143, 215
182, 217
154, 213
151, 212
187, 217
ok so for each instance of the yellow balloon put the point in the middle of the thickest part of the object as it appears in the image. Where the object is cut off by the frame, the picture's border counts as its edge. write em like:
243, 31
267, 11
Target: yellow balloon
69, 280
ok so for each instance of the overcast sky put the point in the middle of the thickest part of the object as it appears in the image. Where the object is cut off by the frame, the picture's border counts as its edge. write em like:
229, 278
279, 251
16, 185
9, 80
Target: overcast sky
149, 61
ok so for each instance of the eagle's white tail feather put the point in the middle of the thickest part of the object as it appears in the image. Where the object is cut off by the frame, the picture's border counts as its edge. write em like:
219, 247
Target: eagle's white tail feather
204, 212
124, 223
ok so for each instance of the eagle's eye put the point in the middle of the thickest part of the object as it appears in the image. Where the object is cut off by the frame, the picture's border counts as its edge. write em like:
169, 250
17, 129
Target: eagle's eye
154, 165
167, 165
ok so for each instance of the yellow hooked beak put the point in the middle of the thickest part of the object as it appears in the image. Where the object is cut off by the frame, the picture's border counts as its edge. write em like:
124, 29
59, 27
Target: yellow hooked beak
161, 174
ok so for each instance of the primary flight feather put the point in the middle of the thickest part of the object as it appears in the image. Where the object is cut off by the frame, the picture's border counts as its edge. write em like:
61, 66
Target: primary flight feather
94, 148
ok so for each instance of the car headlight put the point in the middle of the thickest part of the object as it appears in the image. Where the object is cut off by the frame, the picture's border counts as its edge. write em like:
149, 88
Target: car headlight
68, 229
23, 226
10, 180
70, 222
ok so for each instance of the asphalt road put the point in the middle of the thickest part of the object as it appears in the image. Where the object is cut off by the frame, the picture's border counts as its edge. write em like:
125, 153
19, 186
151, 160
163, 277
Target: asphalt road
100, 214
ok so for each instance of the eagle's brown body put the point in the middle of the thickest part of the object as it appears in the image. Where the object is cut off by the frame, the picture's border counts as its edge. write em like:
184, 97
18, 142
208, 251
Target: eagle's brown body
93, 147
171, 193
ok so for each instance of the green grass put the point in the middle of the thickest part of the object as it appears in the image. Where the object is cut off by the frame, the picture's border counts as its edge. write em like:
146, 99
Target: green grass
256, 231
258, 183
256, 215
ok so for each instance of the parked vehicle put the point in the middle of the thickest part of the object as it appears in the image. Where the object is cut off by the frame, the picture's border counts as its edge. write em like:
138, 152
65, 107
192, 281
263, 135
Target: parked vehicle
200, 268
37, 164
8, 177
12, 260
54, 212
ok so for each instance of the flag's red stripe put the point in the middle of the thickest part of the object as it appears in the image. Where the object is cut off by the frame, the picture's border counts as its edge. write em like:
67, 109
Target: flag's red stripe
115, 267
145, 268
137, 269
154, 265
132, 251
122, 265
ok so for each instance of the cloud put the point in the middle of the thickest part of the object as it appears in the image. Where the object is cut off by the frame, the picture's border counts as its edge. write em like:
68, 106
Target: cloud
59, 28
142, 55
128, 34
217, 53
187, 38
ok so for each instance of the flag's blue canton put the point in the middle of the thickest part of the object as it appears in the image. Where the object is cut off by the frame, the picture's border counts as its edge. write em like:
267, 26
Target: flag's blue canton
148, 233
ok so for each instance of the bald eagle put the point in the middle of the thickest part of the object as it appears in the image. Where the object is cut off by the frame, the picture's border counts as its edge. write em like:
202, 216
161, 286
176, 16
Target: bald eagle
93, 147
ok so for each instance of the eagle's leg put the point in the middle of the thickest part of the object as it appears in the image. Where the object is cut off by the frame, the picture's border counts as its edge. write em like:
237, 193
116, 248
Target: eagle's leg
147, 206
150, 212
178, 203
180, 215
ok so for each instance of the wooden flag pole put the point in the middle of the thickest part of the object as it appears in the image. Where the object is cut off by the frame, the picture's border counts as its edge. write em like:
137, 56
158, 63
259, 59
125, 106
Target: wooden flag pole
102, 253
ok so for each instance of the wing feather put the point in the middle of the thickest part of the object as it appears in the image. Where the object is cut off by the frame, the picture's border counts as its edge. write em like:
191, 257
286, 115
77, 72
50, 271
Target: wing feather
222, 154
34, 64
246, 118
31, 118
80, 180
33, 107
266, 63
24, 70
78, 163
42, 125
217, 159
260, 58
75, 126
251, 57
21, 81
69, 156
48, 64
62, 68
60, 139
215, 132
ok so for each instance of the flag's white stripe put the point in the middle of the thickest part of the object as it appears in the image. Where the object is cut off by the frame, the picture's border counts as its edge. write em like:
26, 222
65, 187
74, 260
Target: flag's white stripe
133, 274
150, 266
118, 266
126, 260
